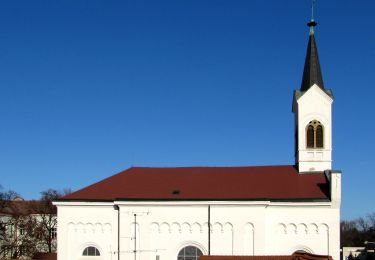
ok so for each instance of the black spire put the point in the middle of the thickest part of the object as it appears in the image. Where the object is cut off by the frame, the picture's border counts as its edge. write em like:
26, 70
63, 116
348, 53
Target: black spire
312, 73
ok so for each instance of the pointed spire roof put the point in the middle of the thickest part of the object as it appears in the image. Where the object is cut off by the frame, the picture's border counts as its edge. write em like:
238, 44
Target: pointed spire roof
312, 73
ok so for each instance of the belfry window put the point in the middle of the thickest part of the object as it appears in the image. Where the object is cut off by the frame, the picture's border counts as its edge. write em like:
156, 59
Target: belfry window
314, 134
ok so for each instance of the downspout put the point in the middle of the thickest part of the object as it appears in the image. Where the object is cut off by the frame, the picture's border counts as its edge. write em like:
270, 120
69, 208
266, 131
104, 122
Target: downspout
135, 236
209, 229
116, 207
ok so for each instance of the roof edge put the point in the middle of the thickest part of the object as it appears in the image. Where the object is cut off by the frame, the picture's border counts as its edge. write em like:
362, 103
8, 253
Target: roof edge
196, 199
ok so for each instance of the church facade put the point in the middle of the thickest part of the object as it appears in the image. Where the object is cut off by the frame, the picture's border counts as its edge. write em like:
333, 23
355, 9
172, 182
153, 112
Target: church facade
182, 213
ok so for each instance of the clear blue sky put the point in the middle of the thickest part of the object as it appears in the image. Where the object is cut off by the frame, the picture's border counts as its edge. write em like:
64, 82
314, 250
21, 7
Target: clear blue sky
90, 88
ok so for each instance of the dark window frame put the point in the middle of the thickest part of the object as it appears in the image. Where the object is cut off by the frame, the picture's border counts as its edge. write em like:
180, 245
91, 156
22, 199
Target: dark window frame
90, 251
189, 253
314, 135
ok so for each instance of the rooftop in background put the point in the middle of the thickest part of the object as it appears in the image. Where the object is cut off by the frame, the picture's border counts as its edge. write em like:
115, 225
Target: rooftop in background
45, 256
21, 207
274, 183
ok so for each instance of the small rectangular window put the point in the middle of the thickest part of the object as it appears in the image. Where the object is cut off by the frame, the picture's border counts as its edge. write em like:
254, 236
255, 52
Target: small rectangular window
54, 233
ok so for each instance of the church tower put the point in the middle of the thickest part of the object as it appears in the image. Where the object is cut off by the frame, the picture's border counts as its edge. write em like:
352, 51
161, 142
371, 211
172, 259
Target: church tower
312, 106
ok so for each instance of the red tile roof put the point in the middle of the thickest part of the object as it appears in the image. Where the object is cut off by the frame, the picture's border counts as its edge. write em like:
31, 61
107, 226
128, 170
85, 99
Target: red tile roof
207, 183
245, 257
295, 256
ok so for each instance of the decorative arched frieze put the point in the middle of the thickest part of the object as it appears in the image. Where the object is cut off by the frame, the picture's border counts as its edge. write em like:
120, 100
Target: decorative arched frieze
313, 228
302, 229
98, 228
292, 228
249, 226
196, 227
217, 228
155, 227
89, 228
71, 227
248, 239
186, 227
205, 227
323, 228
165, 228
228, 227
176, 227
80, 227
281, 229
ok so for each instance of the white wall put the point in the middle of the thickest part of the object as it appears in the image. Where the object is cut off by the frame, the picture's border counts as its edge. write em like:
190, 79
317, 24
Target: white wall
163, 228
86, 224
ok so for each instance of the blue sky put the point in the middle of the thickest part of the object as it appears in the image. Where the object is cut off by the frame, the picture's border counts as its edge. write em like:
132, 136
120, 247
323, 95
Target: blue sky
90, 88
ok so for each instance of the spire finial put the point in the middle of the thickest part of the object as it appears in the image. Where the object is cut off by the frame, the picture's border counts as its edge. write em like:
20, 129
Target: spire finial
312, 22
312, 9
312, 73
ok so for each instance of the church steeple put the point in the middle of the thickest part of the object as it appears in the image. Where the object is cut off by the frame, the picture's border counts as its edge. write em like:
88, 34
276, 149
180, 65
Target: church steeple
312, 105
312, 73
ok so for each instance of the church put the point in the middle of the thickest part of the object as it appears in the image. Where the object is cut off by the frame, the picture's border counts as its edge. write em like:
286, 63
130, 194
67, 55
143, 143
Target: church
183, 213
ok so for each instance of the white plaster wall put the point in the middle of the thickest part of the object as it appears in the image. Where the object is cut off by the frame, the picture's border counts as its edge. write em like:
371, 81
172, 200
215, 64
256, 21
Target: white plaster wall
83, 225
312, 229
315, 104
164, 228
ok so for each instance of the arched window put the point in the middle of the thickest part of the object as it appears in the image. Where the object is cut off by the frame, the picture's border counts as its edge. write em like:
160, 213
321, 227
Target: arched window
319, 136
91, 251
189, 253
310, 137
314, 135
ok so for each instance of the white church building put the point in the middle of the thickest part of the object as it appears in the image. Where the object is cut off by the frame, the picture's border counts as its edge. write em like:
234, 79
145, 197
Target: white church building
182, 213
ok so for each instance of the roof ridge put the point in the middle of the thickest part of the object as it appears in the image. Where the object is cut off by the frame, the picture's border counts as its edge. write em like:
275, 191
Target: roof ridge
211, 167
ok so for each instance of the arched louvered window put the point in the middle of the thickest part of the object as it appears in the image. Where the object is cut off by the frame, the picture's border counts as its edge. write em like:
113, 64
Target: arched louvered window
91, 251
310, 137
319, 137
314, 135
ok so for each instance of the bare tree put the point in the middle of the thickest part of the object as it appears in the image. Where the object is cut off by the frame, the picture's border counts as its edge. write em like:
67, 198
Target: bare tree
6, 197
6, 219
46, 227
16, 227
362, 224
371, 220
356, 232
28, 227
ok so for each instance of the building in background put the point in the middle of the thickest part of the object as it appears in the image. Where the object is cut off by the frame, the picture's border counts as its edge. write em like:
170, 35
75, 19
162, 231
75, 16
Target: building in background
27, 228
